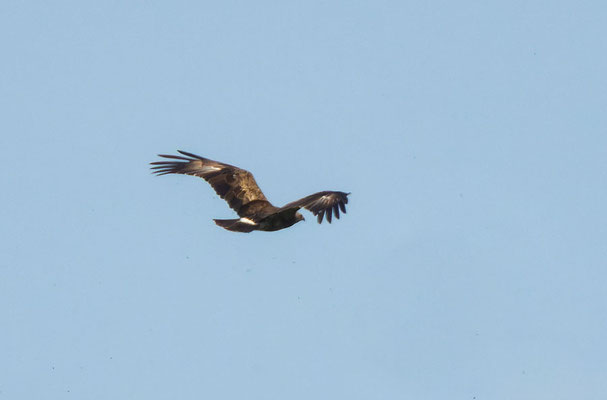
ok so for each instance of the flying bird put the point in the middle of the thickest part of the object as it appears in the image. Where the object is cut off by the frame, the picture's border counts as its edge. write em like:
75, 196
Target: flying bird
238, 187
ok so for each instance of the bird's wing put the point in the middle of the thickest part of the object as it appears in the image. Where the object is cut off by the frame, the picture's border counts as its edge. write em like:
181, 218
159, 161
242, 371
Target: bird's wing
234, 185
322, 203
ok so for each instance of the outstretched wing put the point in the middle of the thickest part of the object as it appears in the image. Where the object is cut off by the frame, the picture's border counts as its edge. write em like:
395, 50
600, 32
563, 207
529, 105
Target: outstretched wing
234, 185
323, 203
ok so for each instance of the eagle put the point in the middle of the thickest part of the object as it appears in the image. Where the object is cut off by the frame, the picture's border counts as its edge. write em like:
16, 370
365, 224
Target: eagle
239, 189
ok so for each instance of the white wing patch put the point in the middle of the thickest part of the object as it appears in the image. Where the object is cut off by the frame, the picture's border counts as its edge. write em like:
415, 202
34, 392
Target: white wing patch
247, 221
209, 168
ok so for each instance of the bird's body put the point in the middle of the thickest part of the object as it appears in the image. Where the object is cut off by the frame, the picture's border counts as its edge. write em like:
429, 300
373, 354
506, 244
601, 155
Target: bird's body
239, 189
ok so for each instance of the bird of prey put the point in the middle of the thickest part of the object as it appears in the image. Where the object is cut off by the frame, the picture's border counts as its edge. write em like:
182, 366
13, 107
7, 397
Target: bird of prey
239, 189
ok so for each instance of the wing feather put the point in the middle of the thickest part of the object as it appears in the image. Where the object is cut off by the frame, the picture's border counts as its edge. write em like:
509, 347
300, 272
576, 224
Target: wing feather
235, 185
323, 204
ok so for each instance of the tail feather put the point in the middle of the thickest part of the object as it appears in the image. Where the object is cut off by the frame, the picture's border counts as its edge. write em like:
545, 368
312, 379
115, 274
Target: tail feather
235, 225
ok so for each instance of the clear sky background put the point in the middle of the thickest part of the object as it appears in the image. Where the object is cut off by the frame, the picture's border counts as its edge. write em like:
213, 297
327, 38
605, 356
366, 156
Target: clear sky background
471, 263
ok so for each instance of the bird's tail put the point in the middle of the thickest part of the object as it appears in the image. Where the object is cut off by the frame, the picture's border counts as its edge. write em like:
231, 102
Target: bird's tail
235, 225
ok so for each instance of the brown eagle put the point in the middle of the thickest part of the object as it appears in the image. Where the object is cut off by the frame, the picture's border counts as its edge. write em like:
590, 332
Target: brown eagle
239, 189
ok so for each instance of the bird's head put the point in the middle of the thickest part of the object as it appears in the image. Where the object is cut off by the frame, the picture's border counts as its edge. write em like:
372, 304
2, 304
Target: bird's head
299, 217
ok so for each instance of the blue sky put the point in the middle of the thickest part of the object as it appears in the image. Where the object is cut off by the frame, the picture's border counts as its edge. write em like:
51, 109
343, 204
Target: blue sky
471, 263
